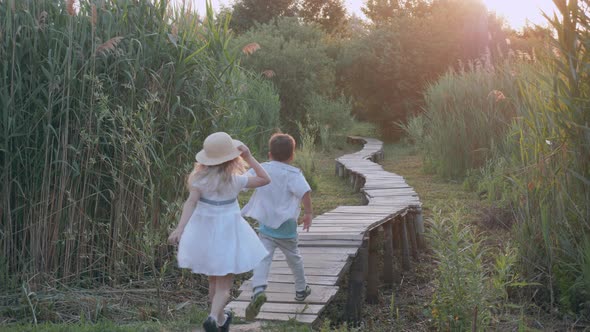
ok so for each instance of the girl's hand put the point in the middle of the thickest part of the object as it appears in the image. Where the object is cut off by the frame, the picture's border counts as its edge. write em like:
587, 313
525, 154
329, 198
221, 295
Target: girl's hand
245, 151
174, 237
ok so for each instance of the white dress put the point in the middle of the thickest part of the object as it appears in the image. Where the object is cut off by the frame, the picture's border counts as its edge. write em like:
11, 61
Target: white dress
217, 240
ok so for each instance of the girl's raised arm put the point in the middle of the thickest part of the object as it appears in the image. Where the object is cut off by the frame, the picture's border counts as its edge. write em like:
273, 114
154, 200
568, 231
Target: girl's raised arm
187, 211
261, 178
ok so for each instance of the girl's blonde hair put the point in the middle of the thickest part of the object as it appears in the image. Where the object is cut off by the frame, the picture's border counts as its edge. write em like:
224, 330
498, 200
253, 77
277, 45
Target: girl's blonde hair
217, 176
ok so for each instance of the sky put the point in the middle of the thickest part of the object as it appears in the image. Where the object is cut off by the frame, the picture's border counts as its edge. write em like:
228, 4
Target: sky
516, 12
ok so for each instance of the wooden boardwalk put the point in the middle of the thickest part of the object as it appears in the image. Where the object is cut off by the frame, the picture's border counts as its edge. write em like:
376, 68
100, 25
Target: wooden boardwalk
336, 237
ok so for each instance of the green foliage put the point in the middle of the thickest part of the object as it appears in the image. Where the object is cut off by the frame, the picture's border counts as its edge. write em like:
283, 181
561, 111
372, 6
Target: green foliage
472, 282
329, 14
554, 145
468, 115
332, 117
306, 154
530, 146
296, 54
381, 11
247, 13
386, 70
102, 111
462, 285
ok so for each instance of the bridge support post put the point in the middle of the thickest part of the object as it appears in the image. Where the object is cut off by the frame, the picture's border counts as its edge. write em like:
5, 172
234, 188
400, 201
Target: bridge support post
341, 170
412, 235
405, 244
365, 200
359, 181
356, 282
390, 272
419, 223
373, 277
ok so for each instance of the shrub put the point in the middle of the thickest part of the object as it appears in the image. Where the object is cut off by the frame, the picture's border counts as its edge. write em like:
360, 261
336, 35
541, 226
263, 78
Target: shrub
468, 114
293, 56
331, 116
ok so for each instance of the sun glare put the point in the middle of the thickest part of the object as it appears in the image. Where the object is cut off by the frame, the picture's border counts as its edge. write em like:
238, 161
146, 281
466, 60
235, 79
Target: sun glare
520, 12
516, 12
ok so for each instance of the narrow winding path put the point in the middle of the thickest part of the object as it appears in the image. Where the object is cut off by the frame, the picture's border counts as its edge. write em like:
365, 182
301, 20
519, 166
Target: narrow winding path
335, 237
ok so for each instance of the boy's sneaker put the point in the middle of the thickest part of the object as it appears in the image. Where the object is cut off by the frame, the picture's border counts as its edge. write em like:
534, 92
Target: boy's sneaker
302, 295
210, 325
253, 308
225, 326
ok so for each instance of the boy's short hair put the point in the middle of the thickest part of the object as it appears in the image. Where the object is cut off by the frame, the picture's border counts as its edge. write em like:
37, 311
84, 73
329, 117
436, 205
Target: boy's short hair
281, 146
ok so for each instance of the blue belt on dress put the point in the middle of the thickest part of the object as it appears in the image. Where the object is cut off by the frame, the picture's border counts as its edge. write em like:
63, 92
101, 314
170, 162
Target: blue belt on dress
217, 203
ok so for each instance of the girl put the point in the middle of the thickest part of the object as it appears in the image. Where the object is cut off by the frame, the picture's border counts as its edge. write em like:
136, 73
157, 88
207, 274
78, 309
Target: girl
212, 237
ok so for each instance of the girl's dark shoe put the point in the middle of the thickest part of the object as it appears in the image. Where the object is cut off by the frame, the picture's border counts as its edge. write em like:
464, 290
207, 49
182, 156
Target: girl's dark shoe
210, 325
225, 326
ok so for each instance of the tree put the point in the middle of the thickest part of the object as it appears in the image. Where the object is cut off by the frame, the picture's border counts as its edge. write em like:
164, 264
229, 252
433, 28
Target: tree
296, 55
330, 14
381, 11
246, 13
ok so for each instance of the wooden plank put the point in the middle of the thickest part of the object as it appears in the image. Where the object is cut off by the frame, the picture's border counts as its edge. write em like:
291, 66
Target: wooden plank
329, 243
342, 257
349, 236
361, 210
312, 271
343, 217
312, 262
317, 296
239, 308
277, 287
336, 225
312, 280
275, 316
331, 250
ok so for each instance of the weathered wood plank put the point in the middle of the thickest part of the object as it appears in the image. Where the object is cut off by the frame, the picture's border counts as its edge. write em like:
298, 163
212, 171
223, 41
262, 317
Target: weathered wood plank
276, 287
275, 316
239, 308
312, 280
311, 262
342, 257
317, 296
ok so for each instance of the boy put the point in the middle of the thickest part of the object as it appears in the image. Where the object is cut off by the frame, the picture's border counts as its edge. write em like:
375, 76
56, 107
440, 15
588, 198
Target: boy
276, 207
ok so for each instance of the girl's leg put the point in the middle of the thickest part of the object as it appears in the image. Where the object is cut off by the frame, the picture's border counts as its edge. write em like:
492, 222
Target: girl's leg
212, 283
222, 288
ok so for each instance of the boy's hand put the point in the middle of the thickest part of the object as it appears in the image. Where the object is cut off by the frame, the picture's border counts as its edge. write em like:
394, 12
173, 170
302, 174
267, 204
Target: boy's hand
245, 151
307, 221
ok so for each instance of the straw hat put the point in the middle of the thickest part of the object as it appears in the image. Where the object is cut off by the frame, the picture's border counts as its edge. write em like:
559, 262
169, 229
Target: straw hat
218, 148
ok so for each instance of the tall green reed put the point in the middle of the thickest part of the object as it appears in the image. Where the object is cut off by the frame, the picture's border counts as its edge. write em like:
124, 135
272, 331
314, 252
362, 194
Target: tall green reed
531, 144
103, 108
554, 151
468, 112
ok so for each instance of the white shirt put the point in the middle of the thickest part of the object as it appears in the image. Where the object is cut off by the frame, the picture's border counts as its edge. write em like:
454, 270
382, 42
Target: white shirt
280, 200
